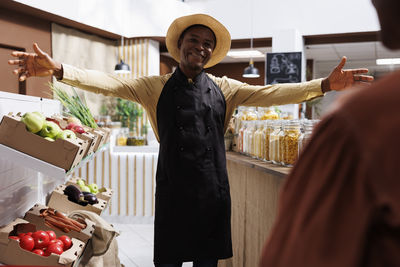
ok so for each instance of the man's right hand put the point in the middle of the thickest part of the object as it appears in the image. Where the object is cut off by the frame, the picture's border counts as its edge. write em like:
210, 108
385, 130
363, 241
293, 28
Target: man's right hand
35, 64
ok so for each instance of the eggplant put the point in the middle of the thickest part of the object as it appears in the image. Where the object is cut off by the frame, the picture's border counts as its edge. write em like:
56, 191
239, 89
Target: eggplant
83, 202
73, 193
91, 198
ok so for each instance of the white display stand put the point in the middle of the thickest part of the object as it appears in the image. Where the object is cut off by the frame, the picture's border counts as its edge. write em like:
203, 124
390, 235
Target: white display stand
26, 180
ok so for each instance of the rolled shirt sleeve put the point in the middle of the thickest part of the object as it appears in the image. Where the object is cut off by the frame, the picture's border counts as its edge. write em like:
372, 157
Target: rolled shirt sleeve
239, 93
144, 90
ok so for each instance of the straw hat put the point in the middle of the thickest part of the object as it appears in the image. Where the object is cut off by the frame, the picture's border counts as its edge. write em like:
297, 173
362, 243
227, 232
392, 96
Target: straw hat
223, 38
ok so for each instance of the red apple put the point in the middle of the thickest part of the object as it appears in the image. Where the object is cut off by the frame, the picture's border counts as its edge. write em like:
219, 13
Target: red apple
71, 125
78, 129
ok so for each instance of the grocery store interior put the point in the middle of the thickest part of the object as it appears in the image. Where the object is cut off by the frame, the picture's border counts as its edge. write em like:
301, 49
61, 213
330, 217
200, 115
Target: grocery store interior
115, 156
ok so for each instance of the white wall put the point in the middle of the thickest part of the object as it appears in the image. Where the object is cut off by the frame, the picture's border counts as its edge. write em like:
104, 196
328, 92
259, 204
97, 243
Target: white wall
133, 18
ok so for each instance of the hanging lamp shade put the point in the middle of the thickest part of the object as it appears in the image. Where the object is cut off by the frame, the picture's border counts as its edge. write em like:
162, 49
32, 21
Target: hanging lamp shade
251, 71
122, 67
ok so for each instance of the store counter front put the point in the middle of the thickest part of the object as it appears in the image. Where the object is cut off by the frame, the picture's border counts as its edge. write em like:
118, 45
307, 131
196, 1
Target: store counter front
255, 189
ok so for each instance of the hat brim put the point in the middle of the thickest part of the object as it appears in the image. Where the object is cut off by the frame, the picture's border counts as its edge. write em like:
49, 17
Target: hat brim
222, 35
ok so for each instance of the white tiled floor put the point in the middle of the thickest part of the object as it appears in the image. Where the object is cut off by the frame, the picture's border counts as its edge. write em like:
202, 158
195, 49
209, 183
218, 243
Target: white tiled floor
135, 244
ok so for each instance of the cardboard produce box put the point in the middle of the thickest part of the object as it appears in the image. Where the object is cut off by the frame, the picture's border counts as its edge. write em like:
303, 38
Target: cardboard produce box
101, 138
61, 153
58, 200
89, 137
11, 253
33, 216
106, 193
107, 132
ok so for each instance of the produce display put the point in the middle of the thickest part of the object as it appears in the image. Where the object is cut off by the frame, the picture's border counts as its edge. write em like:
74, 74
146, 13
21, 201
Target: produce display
77, 196
43, 243
91, 188
75, 106
34, 121
55, 219
49, 128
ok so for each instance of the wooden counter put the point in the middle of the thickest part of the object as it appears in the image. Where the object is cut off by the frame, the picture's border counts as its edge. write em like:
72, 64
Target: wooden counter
254, 190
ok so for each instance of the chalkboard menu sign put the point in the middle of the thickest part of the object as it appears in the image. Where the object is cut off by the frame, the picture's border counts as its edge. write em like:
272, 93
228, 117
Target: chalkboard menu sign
283, 68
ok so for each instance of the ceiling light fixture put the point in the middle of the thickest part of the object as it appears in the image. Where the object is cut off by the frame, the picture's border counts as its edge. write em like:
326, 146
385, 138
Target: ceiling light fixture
246, 54
251, 71
122, 67
388, 61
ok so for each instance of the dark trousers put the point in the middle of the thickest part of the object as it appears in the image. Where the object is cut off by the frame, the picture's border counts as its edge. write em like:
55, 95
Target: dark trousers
201, 263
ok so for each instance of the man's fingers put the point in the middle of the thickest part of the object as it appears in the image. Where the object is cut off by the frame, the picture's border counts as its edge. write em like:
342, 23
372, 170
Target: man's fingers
19, 71
23, 76
38, 50
15, 62
341, 64
358, 71
363, 78
19, 54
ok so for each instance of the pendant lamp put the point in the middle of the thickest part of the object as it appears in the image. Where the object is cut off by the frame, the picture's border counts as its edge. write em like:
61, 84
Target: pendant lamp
122, 67
251, 71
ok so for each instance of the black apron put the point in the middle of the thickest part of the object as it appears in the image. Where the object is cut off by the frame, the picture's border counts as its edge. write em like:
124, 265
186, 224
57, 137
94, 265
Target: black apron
193, 205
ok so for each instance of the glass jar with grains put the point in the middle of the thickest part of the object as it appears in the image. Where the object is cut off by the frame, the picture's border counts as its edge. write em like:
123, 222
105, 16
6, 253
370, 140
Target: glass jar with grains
304, 138
274, 141
291, 133
267, 132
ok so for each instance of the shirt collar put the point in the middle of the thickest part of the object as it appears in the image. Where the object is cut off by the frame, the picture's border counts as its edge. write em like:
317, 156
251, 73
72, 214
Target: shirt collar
183, 79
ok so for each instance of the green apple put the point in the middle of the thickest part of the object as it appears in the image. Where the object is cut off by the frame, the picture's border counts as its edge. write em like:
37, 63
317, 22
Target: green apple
94, 188
80, 182
39, 114
50, 129
33, 121
85, 188
66, 134
49, 139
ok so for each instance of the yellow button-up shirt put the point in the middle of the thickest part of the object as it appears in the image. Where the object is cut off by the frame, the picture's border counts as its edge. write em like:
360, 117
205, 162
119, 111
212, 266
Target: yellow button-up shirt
147, 90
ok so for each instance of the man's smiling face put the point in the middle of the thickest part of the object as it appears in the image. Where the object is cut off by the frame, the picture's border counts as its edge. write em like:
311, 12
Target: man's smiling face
196, 47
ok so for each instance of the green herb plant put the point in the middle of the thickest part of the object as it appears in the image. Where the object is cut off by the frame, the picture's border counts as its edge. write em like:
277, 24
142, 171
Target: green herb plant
128, 112
75, 106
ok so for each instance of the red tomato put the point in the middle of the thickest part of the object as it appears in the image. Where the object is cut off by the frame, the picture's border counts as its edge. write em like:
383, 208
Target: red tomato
14, 237
58, 242
38, 251
27, 242
29, 233
52, 235
66, 240
41, 239
21, 235
53, 248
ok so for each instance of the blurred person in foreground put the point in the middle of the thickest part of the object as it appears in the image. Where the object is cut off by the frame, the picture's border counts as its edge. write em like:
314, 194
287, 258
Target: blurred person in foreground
340, 205
189, 111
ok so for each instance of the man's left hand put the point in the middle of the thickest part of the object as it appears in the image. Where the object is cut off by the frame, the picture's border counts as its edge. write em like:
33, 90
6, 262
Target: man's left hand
340, 79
